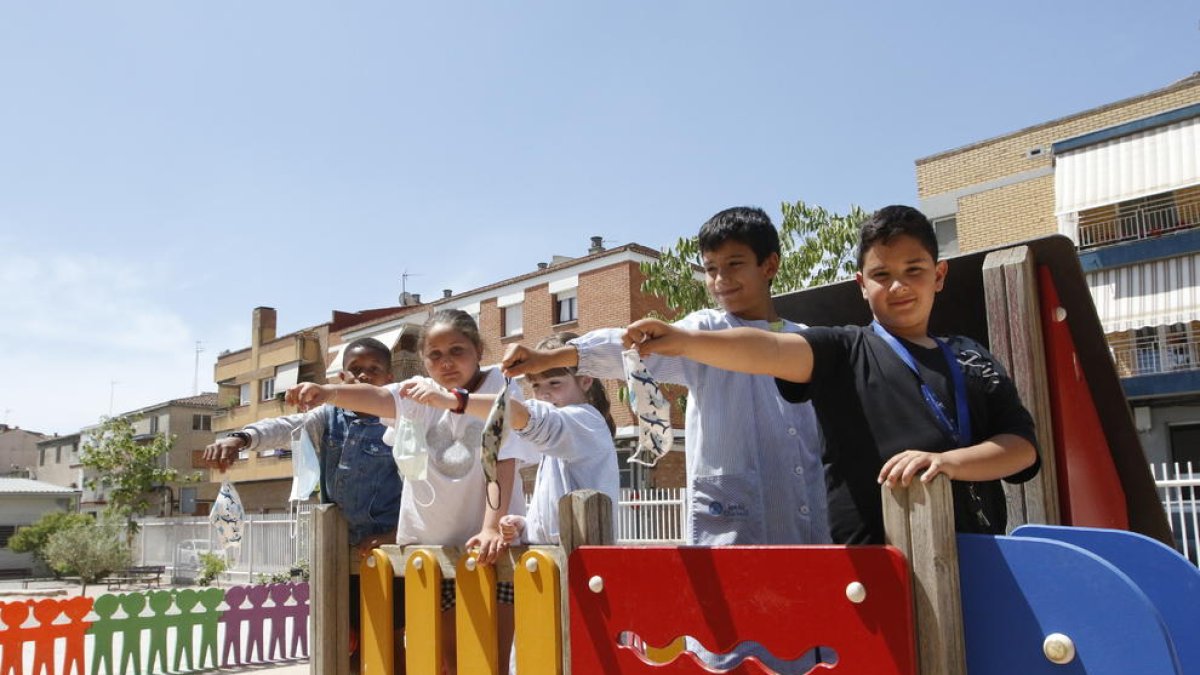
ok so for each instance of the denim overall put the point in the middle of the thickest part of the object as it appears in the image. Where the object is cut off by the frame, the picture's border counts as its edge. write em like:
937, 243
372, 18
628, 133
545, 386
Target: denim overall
358, 473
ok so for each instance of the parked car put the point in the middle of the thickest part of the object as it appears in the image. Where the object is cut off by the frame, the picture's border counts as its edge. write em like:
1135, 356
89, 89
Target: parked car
188, 551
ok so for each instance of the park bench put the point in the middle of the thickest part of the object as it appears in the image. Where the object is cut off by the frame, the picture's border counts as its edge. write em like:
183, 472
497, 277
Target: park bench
144, 574
18, 573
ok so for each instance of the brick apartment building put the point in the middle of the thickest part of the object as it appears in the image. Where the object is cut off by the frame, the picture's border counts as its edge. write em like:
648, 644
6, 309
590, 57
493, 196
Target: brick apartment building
1123, 182
598, 290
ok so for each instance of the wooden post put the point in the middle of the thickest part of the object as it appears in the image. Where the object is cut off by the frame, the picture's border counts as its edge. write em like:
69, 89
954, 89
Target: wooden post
584, 519
330, 603
1015, 333
920, 522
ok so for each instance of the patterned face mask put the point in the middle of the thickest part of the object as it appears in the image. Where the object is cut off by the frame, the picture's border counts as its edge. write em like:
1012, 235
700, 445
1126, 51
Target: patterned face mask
493, 436
652, 408
226, 518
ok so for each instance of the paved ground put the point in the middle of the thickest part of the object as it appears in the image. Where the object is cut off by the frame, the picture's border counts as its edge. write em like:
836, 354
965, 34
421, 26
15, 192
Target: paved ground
12, 590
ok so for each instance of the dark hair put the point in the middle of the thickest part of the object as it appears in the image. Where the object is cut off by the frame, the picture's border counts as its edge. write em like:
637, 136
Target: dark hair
595, 393
456, 319
375, 347
746, 224
892, 221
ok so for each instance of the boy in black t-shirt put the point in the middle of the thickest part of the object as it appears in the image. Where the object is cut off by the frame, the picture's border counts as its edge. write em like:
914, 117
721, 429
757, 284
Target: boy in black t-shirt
893, 401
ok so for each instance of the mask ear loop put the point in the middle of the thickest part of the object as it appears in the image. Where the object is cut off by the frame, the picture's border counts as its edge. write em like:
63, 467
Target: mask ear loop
294, 506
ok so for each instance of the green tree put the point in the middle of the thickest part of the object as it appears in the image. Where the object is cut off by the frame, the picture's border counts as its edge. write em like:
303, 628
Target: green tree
817, 247
128, 470
33, 538
90, 550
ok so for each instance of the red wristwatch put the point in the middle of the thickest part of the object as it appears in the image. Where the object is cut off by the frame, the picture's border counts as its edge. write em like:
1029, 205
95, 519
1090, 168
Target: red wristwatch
463, 396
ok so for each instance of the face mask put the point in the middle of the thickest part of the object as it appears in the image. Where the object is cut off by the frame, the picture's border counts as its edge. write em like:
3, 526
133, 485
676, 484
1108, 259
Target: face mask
652, 409
226, 518
493, 436
306, 468
409, 449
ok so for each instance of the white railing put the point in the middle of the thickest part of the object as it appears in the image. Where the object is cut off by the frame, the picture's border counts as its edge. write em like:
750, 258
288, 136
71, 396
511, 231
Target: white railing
1173, 353
1179, 488
271, 543
650, 516
1163, 214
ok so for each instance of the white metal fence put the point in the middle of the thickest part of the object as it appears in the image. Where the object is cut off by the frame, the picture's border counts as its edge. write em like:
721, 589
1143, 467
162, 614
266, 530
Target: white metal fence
271, 543
1179, 489
650, 516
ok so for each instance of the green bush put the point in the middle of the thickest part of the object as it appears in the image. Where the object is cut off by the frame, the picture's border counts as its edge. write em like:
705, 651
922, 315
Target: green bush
90, 551
33, 538
212, 565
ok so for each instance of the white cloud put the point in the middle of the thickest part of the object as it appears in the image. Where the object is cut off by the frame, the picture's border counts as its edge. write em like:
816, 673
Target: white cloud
71, 324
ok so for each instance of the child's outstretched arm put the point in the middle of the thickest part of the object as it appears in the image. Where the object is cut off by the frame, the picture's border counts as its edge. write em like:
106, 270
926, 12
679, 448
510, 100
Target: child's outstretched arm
1000, 456
478, 405
361, 398
787, 356
521, 360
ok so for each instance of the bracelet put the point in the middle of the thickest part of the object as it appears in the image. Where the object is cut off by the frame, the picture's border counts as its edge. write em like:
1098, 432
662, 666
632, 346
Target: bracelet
463, 396
245, 437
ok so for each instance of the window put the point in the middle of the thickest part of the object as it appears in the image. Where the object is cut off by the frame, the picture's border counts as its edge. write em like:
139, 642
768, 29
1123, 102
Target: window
201, 422
58, 454
42, 457
630, 475
267, 387
6, 531
511, 320
946, 230
565, 306
1185, 445
244, 394
154, 425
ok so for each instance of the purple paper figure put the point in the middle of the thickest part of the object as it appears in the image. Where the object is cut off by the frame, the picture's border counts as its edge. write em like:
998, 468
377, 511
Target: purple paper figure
12, 638
299, 613
232, 620
255, 616
277, 642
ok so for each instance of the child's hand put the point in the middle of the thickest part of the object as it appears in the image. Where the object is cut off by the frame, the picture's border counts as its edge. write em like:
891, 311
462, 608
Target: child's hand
223, 451
511, 527
651, 336
490, 543
427, 392
308, 395
365, 546
520, 360
903, 467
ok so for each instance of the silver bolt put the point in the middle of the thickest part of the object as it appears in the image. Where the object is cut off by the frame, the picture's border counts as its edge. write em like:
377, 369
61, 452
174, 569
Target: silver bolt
1058, 648
856, 592
418, 562
471, 564
596, 583
531, 565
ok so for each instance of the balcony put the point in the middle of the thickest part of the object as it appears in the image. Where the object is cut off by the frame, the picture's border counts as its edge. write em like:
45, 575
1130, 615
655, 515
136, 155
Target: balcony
1155, 351
1139, 219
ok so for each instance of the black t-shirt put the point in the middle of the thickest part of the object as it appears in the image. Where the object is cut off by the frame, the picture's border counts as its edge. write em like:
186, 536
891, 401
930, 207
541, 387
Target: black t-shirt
870, 407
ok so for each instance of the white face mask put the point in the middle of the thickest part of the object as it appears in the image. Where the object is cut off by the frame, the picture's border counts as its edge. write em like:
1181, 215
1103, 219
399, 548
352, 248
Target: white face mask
226, 518
409, 449
306, 468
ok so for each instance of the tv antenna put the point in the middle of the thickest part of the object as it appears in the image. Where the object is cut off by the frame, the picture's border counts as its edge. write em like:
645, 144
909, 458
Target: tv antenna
196, 370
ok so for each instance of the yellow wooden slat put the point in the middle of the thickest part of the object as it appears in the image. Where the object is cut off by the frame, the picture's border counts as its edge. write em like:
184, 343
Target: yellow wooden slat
539, 632
378, 633
423, 614
475, 617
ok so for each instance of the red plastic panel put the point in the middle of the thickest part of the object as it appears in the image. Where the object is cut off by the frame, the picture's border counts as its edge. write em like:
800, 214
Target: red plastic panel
789, 599
1089, 489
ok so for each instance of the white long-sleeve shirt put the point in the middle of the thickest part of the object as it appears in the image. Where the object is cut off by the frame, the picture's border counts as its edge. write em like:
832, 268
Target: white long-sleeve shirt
577, 454
754, 468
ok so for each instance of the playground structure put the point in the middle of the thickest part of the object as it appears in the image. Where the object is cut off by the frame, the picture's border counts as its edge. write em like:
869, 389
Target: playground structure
1085, 582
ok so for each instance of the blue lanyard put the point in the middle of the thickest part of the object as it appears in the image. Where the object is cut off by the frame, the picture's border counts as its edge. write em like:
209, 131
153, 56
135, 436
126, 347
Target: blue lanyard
960, 433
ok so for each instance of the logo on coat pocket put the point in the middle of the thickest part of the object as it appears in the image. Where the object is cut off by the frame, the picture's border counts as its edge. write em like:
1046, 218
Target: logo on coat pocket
716, 509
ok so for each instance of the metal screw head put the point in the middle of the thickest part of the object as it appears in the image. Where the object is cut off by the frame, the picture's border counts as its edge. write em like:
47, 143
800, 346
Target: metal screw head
1058, 648
370, 561
1060, 314
472, 563
596, 583
856, 592
418, 562
531, 564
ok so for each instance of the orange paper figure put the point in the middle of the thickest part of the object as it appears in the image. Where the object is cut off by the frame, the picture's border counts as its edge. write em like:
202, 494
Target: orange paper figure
13, 637
75, 608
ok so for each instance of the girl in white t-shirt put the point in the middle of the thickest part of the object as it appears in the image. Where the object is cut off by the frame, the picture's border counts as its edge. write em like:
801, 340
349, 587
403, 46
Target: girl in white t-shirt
449, 507
569, 423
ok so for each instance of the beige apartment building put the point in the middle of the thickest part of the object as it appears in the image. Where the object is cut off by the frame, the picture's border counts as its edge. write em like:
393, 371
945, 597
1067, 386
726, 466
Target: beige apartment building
1122, 181
18, 451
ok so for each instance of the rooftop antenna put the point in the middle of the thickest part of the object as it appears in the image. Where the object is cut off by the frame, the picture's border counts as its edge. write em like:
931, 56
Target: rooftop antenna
196, 371
6, 412
404, 285
112, 387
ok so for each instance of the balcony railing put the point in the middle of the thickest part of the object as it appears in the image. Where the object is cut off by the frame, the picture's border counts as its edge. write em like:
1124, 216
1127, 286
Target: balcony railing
1156, 217
1140, 356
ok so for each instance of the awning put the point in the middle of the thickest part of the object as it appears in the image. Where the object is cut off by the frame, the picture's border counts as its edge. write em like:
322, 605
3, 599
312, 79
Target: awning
286, 376
1155, 293
389, 338
1138, 165
510, 299
561, 285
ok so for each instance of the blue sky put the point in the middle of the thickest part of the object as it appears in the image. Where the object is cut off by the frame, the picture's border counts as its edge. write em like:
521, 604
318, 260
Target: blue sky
167, 166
